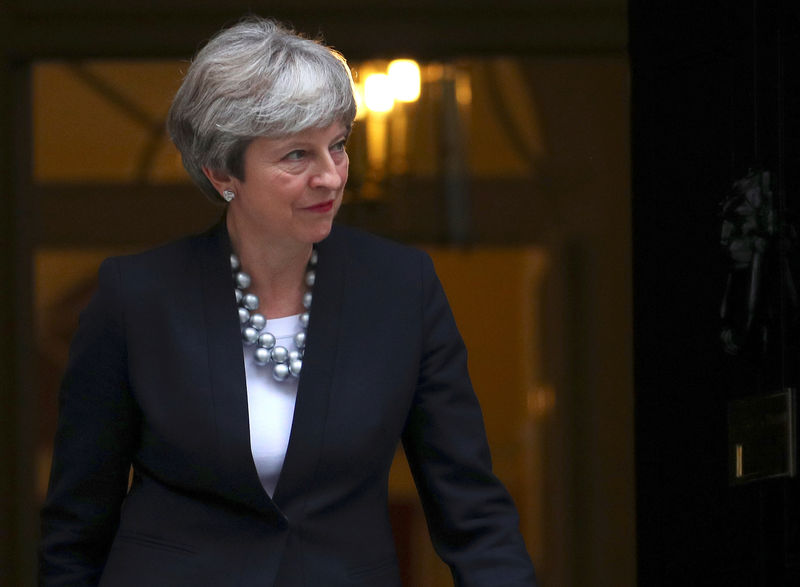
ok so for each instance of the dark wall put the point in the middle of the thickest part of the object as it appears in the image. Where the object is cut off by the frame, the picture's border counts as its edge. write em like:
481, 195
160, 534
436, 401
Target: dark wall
715, 93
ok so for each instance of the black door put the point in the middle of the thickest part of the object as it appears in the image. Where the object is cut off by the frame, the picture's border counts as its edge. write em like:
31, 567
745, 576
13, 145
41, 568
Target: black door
716, 100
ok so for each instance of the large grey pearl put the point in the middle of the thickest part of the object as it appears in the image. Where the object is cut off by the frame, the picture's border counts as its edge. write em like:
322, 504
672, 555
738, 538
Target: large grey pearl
304, 319
244, 315
266, 340
242, 280
239, 295
261, 356
294, 355
280, 371
235, 262
314, 257
250, 301
280, 354
258, 321
300, 339
307, 300
295, 367
311, 276
250, 335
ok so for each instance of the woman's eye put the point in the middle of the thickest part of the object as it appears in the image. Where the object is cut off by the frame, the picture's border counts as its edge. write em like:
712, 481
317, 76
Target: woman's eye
295, 155
340, 146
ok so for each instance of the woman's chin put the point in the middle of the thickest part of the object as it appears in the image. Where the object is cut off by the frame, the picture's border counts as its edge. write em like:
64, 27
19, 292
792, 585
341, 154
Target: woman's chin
318, 231
323, 234
323, 226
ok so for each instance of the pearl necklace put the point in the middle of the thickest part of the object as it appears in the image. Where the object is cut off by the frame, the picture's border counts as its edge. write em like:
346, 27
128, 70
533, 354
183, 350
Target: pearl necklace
285, 363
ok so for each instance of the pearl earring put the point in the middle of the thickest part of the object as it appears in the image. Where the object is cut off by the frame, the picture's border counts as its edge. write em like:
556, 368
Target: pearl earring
228, 195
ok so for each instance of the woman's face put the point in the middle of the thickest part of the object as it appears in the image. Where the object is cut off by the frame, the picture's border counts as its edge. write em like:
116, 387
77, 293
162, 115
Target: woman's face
292, 186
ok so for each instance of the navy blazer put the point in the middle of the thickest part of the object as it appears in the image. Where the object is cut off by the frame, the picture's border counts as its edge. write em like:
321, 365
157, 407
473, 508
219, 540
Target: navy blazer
156, 379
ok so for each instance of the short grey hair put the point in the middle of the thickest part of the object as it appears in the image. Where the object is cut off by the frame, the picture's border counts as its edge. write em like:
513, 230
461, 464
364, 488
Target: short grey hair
255, 79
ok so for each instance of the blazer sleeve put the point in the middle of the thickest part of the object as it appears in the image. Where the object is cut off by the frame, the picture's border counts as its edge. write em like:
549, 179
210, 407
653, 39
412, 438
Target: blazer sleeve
93, 448
472, 519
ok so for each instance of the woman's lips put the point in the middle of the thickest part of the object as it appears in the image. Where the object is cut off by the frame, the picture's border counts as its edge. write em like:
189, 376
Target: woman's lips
324, 207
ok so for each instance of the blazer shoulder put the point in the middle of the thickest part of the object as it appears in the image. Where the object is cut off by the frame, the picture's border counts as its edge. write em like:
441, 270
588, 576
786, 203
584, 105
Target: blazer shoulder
171, 252
176, 251
167, 265
369, 249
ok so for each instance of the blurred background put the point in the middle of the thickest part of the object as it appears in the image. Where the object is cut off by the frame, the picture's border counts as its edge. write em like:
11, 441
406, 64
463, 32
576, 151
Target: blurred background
495, 135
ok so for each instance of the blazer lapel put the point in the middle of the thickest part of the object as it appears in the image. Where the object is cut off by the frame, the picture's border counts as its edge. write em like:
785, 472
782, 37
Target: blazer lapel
317, 378
238, 476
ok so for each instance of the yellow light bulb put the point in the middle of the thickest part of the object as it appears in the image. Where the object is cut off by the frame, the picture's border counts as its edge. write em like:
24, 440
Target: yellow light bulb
361, 107
405, 80
378, 93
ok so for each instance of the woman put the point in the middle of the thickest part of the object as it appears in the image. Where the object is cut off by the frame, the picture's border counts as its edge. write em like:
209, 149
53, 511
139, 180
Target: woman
258, 377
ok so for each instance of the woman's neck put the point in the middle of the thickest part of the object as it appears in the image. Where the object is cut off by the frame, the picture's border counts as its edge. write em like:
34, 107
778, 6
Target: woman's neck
277, 270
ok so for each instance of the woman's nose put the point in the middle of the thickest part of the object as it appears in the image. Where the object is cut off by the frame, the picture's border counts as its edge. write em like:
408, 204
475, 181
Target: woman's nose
328, 174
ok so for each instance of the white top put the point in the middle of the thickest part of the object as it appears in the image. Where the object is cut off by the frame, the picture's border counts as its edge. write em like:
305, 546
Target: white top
270, 405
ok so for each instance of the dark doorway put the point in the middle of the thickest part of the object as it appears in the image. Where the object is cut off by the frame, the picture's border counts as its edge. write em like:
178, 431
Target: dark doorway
715, 97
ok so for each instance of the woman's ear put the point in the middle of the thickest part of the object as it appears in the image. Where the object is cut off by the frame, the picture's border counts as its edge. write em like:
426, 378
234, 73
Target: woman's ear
221, 180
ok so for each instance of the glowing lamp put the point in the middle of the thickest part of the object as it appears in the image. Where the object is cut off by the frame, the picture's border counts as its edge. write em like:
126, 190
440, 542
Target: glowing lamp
378, 93
361, 107
404, 78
